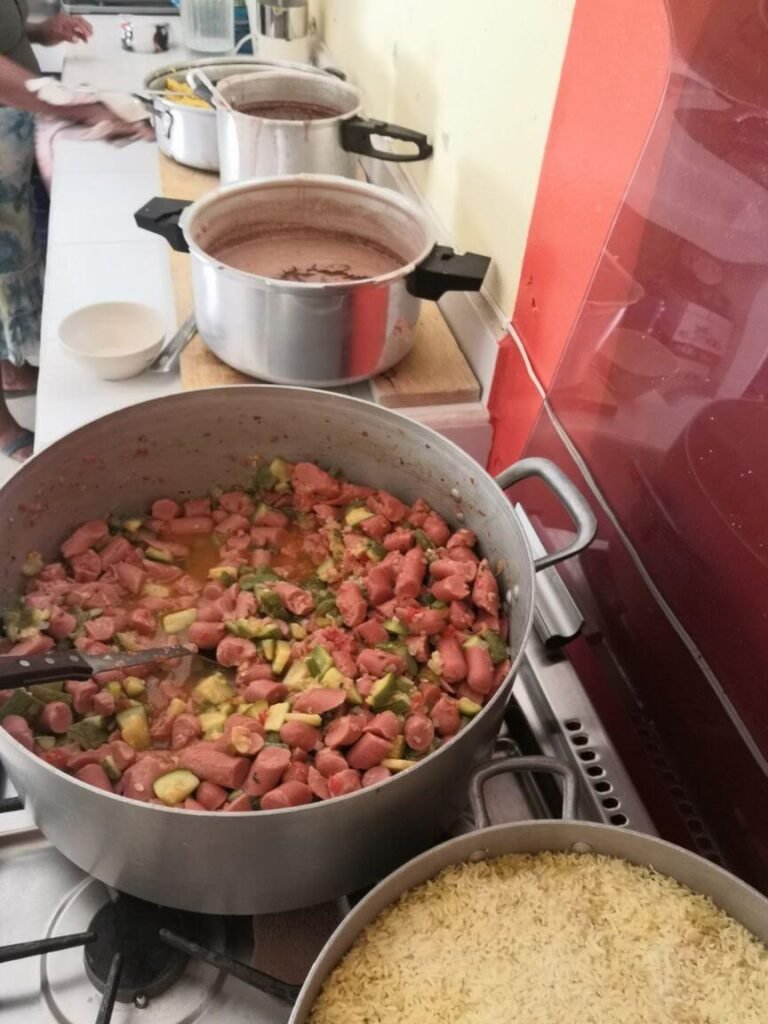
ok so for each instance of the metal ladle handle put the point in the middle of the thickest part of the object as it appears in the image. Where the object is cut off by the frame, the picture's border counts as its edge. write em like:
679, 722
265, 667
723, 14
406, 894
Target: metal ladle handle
547, 765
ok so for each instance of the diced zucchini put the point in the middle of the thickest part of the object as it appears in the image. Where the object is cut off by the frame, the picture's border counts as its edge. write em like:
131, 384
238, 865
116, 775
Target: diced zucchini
375, 551
326, 606
21, 702
177, 622
212, 722
276, 717
155, 590
134, 727
88, 733
474, 641
422, 540
400, 704
397, 764
255, 709
280, 470
32, 564
133, 686
353, 694
358, 515
396, 627
332, 678
382, 692
270, 602
268, 647
225, 574
298, 676
282, 656
158, 555
437, 605
469, 708
214, 689
264, 479
435, 663
319, 661
115, 689
496, 646
398, 748
174, 787
298, 632
405, 685
128, 641
297, 716
47, 693
132, 525
45, 742
253, 578
12, 623
327, 571
176, 707
234, 795
110, 768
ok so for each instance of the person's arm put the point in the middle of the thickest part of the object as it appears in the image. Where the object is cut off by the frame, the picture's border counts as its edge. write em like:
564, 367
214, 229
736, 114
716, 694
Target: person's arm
62, 28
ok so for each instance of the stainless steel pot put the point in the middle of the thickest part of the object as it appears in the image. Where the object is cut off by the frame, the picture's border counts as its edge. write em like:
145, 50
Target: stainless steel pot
255, 146
743, 903
180, 446
294, 332
188, 134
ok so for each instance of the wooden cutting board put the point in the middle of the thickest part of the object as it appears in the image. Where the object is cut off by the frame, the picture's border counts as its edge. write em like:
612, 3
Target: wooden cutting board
434, 373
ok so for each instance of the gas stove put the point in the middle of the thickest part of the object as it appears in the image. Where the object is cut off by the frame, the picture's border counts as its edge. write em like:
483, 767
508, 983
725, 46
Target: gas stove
74, 951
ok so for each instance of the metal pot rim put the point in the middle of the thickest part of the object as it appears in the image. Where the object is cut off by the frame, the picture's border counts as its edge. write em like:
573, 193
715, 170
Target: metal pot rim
502, 693
303, 126
330, 181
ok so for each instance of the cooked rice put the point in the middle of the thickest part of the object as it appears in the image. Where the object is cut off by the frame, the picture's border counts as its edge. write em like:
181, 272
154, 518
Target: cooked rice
553, 938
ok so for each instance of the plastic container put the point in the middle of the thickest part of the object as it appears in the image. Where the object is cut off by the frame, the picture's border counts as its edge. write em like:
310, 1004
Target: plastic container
208, 25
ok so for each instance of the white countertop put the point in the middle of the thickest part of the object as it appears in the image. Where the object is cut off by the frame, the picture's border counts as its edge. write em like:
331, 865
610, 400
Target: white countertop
96, 253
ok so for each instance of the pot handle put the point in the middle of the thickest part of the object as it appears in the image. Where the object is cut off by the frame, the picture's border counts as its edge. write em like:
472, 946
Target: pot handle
445, 270
161, 217
357, 137
575, 504
517, 765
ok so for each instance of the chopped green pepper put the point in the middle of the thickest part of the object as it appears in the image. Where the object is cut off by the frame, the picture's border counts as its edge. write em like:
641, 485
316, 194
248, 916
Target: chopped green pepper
252, 579
396, 627
88, 733
496, 646
319, 661
47, 693
271, 604
21, 702
422, 540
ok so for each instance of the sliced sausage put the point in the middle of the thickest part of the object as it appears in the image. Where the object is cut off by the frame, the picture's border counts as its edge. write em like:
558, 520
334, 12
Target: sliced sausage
239, 805
267, 536
443, 567
460, 615
446, 717
462, 539
400, 539
18, 727
94, 775
289, 794
86, 567
130, 576
385, 724
101, 629
379, 584
243, 735
485, 593
419, 732
189, 526
453, 662
234, 523
411, 575
211, 796
299, 734
297, 771
84, 537
436, 529
268, 769
214, 766
61, 624
386, 504
317, 783
232, 650
197, 507
329, 762
344, 731
122, 753
206, 635
137, 780
377, 663
165, 509
117, 550
265, 689
143, 621
369, 751
185, 729
312, 484
376, 775
372, 632
82, 694
452, 588
271, 517
34, 645
236, 502
56, 717
376, 526
296, 600
319, 701
351, 604
190, 804
103, 703
344, 782
479, 669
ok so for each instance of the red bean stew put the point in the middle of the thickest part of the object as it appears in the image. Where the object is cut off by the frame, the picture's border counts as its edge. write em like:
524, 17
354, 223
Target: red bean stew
362, 634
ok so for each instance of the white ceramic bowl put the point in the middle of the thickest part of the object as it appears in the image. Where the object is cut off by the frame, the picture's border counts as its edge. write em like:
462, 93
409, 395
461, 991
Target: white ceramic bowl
113, 340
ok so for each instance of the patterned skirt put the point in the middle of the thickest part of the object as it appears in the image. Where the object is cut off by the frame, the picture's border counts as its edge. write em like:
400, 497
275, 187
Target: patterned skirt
21, 263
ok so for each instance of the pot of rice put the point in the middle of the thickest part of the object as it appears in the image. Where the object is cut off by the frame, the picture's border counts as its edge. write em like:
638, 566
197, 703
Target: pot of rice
547, 922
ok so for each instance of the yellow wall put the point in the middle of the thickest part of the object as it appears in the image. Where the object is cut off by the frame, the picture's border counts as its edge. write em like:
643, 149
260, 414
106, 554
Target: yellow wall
480, 77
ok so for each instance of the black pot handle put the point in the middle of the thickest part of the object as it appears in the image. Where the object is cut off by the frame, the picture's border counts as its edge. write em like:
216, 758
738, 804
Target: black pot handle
445, 270
161, 217
357, 132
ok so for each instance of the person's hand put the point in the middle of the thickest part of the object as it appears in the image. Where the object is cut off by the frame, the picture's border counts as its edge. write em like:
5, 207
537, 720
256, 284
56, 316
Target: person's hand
114, 127
62, 28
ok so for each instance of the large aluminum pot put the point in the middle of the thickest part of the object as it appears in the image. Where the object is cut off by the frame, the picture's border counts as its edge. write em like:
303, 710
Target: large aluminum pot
298, 331
188, 134
738, 899
327, 139
180, 446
